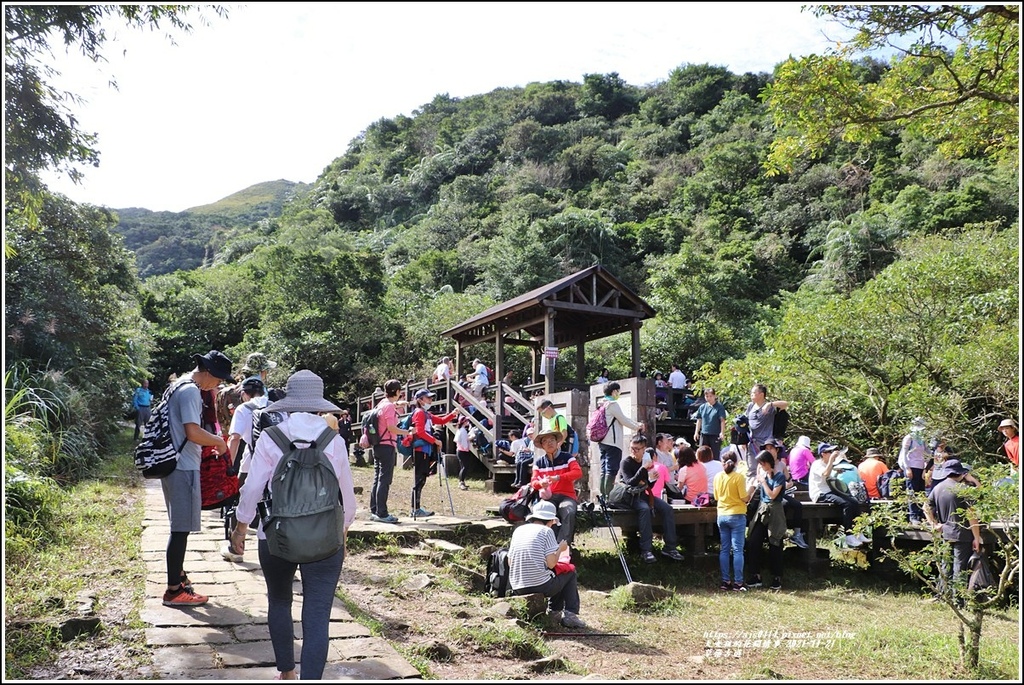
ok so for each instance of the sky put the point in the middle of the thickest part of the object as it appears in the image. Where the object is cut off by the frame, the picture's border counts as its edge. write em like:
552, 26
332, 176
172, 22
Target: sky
279, 90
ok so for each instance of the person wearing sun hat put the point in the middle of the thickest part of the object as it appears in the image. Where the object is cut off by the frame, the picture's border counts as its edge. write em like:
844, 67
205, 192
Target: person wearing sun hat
1008, 427
820, 491
533, 554
948, 511
181, 488
304, 404
912, 459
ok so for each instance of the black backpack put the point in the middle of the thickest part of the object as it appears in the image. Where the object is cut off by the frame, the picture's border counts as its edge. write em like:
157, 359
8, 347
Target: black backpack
781, 424
156, 455
371, 426
890, 482
307, 520
516, 508
262, 420
496, 580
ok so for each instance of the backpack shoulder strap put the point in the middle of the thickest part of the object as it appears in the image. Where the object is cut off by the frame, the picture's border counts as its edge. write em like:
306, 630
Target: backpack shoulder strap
325, 438
167, 408
279, 437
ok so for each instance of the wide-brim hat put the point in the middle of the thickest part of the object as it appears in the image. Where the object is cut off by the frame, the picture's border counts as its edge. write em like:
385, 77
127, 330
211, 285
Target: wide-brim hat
543, 511
873, 452
214, 363
804, 441
1008, 423
918, 422
304, 392
950, 467
256, 362
539, 437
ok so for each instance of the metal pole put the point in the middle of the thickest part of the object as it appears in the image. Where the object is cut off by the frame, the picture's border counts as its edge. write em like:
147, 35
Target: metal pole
615, 538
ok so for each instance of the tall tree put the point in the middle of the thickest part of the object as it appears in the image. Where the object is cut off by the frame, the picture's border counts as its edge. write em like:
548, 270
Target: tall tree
957, 82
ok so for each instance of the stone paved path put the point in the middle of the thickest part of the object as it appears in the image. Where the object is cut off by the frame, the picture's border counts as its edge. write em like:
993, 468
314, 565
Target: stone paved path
227, 638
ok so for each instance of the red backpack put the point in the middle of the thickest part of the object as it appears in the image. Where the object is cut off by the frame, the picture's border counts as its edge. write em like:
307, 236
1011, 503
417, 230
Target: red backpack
218, 483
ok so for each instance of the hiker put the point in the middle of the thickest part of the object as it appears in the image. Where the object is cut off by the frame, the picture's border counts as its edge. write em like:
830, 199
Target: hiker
523, 448
732, 494
871, 467
800, 459
769, 523
463, 450
1011, 447
611, 445
760, 415
141, 401
639, 471
345, 431
663, 443
239, 436
257, 364
443, 372
551, 420
555, 473
479, 379
712, 465
947, 510
692, 476
774, 447
384, 453
912, 458
820, 491
181, 488
710, 427
304, 401
533, 554
423, 442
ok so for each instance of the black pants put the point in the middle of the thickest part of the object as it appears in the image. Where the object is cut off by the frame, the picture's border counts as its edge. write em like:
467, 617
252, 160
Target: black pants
464, 458
421, 464
561, 590
755, 545
524, 472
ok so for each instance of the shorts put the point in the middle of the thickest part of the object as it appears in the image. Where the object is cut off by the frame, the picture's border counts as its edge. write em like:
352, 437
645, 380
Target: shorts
183, 497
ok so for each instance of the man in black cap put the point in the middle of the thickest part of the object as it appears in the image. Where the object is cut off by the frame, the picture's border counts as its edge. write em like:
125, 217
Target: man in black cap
182, 492
946, 509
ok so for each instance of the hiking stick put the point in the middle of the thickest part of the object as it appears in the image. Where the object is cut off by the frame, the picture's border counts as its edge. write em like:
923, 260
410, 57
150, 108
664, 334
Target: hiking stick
615, 538
545, 633
442, 475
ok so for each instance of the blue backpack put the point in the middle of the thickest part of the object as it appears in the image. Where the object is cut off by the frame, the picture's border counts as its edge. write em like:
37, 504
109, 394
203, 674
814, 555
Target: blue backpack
890, 483
404, 449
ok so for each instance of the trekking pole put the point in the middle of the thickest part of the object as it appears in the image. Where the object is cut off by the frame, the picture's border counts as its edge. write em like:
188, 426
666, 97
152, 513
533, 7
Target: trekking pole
442, 474
615, 538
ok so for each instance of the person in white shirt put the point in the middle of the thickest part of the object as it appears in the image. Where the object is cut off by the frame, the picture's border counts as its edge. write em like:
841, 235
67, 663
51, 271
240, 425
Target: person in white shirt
533, 555
304, 402
443, 371
463, 450
820, 491
677, 379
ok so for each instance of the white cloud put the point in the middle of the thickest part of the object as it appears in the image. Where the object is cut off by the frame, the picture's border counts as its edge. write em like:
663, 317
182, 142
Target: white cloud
278, 90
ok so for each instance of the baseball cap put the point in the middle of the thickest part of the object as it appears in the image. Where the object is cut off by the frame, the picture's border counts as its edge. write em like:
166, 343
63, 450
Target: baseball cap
421, 393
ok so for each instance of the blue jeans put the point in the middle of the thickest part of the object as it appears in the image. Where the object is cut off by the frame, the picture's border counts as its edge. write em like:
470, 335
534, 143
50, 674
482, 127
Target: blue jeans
731, 529
383, 473
319, 581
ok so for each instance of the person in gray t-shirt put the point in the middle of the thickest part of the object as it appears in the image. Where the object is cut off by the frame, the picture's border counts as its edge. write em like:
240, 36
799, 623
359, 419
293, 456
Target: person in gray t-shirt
761, 415
181, 488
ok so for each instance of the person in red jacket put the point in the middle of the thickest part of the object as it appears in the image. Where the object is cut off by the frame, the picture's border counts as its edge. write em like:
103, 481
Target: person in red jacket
423, 442
555, 473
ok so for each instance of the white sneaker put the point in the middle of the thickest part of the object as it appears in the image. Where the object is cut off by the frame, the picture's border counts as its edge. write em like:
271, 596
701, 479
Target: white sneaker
853, 541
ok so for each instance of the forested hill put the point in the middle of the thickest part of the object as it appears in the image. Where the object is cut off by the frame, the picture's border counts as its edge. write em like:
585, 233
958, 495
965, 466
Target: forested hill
167, 241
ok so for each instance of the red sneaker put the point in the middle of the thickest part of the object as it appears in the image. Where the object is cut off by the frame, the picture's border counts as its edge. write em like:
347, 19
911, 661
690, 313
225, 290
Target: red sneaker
184, 597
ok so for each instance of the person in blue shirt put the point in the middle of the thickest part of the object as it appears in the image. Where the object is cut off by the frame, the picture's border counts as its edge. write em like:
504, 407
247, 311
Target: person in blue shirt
141, 401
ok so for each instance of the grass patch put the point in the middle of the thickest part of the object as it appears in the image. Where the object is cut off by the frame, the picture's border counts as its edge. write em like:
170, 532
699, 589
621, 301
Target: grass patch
98, 534
502, 641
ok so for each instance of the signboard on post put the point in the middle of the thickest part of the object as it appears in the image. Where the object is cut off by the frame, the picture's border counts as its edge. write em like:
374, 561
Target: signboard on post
548, 365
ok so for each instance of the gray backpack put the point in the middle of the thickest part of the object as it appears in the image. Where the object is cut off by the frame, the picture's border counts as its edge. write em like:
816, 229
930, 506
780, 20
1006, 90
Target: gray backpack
306, 521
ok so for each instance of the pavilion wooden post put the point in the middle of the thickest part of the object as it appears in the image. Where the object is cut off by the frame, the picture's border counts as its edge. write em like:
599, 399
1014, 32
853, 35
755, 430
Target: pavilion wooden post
549, 341
499, 392
635, 330
459, 361
580, 361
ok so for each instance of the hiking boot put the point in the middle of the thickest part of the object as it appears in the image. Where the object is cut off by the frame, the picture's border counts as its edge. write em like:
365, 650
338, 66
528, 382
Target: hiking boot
738, 587
776, 584
421, 513
797, 539
571, 620
726, 585
673, 554
648, 558
853, 541
229, 553
184, 597
756, 582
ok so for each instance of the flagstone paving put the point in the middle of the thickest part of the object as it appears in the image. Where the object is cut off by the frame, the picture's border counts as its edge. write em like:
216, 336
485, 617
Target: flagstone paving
227, 638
